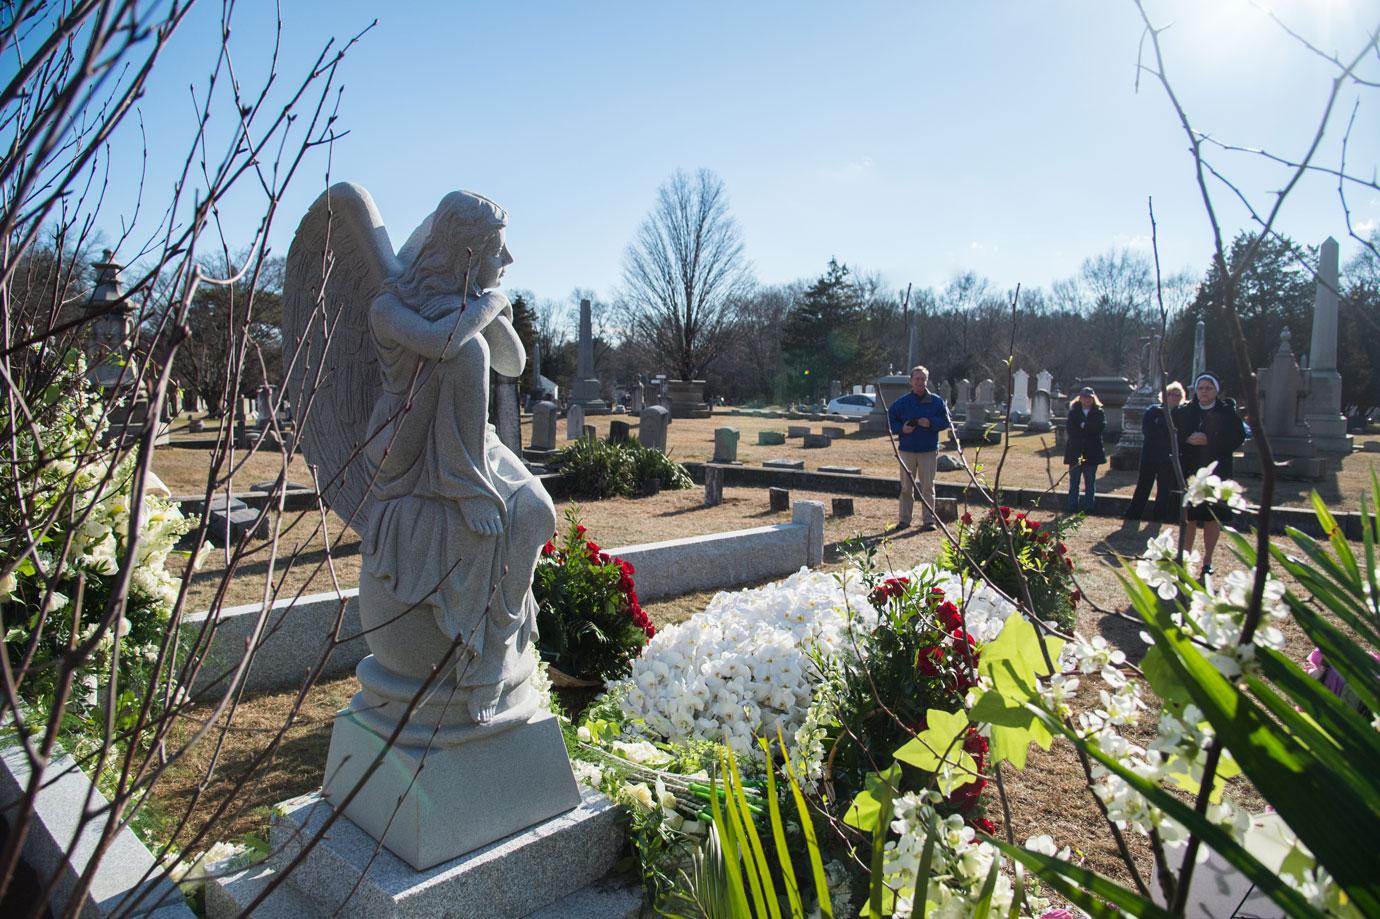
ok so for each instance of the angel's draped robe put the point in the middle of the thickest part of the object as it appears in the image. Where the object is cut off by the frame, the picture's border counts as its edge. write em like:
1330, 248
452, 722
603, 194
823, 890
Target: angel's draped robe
430, 456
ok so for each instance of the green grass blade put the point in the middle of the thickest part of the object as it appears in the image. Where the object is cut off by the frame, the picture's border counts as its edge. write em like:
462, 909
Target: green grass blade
1325, 813
922, 874
778, 832
807, 827
1345, 727
885, 792
755, 848
984, 903
729, 847
1358, 668
1085, 889
1017, 890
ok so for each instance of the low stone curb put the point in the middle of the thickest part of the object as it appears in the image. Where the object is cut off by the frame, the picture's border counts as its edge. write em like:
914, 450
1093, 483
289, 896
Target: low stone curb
55, 828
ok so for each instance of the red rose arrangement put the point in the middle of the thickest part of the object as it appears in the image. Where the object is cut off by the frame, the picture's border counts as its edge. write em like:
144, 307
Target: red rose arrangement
589, 622
1040, 551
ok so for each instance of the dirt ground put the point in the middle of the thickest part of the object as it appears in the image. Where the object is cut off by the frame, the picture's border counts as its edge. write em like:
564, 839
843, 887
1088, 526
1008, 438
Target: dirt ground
1031, 462
1049, 796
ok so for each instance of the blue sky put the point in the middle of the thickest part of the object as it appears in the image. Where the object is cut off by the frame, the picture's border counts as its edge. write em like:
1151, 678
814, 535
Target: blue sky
911, 139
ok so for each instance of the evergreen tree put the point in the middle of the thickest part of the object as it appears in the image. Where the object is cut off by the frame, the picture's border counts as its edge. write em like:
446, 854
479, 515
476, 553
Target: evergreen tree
524, 322
1275, 292
823, 337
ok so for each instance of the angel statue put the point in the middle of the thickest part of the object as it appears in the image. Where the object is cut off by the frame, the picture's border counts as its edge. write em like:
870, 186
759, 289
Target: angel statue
387, 359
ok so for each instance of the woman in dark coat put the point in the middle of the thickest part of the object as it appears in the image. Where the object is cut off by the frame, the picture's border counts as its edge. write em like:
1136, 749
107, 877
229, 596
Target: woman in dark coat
1209, 430
1083, 451
1157, 460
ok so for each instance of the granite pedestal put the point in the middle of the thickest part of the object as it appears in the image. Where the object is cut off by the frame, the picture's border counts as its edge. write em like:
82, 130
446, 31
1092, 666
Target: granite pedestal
551, 869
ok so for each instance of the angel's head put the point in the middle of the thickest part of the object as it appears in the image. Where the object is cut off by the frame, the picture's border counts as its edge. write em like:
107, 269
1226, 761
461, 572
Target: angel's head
466, 240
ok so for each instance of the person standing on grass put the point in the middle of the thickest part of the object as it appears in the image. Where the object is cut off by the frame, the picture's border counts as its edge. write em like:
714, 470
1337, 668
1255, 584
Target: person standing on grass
1157, 460
1209, 432
1083, 451
916, 419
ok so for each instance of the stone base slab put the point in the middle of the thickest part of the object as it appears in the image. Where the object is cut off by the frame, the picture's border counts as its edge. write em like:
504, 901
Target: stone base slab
549, 869
467, 796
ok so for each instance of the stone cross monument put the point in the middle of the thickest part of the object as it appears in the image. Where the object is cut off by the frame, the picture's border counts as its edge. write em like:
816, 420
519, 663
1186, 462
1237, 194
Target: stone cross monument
587, 393
1323, 407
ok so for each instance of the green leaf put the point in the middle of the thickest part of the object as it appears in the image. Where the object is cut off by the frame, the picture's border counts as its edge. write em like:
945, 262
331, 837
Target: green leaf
863, 813
1004, 707
1163, 678
733, 783
884, 792
984, 904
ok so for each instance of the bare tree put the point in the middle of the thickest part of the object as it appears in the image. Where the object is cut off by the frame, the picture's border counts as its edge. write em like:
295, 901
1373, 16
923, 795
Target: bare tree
684, 276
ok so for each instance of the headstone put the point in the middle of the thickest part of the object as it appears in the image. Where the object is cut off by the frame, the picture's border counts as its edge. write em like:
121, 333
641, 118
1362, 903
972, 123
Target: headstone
1113, 391
833, 432
263, 406
842, 470
508, 412
725, 445
1283, 400
1126, 454
687, 399
770, 438
962, 396
536, 364
946, 392
797, 430
947, 463
587, 393
1020, 394
619, 431
946, 509
574, 421
835, 389
650, 487
843, 507
1199, 348
784, 463
780, 498
1323, 406
588, 432
1039, 412
639, 395
887, 390
544, 425
816, 441
985, 392
1044, 380
196, 426
713, 485
652, 431
111, 327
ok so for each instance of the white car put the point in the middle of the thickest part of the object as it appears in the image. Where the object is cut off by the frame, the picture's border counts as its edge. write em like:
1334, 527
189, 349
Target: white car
852, 404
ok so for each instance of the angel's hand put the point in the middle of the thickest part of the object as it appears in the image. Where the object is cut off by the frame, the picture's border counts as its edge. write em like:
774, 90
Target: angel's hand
493, 301
481, 516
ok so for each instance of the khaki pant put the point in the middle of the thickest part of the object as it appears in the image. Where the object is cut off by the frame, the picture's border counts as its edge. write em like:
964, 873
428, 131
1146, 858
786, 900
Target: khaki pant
922, 467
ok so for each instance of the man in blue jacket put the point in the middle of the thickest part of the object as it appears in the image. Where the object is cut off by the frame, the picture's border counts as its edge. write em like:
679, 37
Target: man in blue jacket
917, 418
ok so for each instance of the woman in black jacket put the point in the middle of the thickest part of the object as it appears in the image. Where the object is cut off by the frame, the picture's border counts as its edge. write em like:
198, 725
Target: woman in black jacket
1209, 432
1083, 451
1157, 460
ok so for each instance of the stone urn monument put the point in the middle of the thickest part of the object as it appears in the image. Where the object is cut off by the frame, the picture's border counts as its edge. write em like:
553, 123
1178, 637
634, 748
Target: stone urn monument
392, 354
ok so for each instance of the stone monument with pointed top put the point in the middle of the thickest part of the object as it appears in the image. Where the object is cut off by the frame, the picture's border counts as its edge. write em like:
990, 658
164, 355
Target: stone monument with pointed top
1323, 406
1020, 396
587, 392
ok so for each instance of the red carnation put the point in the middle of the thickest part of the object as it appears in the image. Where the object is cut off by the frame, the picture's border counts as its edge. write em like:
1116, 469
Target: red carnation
985, 825
949, 616
1005, 511
548, 549
967, 517
580, 530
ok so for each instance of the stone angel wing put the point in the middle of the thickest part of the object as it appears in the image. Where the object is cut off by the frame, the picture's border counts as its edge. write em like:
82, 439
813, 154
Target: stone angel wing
338, 262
